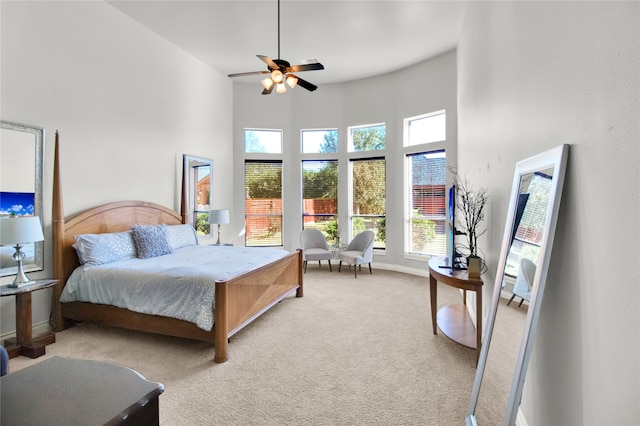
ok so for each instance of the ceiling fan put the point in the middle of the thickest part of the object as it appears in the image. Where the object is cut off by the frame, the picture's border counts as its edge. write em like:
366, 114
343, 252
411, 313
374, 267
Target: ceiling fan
282, 71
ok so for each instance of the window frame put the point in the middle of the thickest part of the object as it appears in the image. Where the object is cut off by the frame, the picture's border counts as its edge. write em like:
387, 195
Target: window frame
352, 215
269, 216
406, 128
408, 210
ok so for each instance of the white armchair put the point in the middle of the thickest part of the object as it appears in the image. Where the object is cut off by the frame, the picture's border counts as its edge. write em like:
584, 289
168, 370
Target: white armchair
315, 247
358, 252
524, 280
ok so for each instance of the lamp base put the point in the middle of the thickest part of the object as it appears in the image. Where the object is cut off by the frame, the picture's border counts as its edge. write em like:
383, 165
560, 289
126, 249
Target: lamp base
21, 278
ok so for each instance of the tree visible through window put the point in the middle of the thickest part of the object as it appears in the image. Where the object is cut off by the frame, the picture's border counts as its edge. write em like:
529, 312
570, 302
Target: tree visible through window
263, 203
320, 197
368, 183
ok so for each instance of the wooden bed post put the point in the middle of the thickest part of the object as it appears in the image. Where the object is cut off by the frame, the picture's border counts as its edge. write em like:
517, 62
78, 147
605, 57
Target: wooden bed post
57, 231
221, 326
300, 290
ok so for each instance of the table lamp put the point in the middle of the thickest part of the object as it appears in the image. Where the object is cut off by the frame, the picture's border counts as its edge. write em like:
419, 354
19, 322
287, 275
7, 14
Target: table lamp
20, 230
220, 217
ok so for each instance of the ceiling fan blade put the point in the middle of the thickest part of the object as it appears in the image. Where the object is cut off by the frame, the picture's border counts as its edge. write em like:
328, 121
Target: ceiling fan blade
306, 67
268, 91
305, 84
242, 74
267, 60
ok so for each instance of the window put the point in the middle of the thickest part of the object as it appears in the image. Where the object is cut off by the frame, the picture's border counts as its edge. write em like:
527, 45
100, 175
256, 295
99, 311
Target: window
263, 203
425, 128
319, 141
263, 141
425, 230
368, 198
320, 197
198, 179
367, 138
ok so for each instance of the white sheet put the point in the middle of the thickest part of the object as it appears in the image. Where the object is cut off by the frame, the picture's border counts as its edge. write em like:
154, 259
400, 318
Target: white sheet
178, 285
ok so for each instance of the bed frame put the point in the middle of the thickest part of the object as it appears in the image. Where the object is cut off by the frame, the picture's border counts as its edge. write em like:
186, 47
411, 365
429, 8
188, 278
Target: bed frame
238, 301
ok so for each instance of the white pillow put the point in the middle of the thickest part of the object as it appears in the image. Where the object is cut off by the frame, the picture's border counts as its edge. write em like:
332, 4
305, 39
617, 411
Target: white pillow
181, 236
98, 249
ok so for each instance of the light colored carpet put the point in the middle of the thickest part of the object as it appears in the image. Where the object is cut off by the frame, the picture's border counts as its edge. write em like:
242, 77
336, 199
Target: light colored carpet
351, 352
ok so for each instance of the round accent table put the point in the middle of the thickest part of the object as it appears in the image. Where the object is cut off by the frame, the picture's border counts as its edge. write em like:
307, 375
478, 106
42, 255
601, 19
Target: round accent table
454, 320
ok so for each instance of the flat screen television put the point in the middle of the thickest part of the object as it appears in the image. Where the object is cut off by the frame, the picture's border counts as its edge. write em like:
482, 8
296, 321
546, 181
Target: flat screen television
453, 261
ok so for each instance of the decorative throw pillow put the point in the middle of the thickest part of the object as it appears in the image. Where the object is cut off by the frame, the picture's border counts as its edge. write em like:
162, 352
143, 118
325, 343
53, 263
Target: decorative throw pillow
98, 249
151, 240
181, 236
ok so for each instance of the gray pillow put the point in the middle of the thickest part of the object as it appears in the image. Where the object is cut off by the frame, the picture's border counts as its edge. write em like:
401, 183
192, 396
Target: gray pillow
151, 240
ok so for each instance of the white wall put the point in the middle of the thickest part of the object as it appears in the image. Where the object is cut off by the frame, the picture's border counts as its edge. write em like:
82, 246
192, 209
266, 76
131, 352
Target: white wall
127, 105
425, 87
533, 75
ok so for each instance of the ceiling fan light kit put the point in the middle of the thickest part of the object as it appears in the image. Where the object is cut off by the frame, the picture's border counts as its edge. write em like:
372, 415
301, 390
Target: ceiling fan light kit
280, 71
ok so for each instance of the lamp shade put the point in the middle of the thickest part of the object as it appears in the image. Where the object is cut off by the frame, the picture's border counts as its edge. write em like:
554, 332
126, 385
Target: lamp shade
219, 216
20, 230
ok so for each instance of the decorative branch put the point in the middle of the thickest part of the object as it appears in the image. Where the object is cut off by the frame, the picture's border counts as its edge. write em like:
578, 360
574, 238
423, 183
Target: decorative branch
471, 203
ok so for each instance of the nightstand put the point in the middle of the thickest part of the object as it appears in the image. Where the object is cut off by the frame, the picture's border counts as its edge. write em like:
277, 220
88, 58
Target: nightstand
24, 343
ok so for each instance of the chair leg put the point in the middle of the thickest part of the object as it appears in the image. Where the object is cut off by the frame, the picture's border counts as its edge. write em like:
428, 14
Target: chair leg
511, 300
305, 266
340, 266
330, 270
370, 271
520, 304
355, 270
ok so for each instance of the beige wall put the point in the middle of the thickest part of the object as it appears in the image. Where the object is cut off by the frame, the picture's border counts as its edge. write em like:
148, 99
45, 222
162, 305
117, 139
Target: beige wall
533, 75
127, 105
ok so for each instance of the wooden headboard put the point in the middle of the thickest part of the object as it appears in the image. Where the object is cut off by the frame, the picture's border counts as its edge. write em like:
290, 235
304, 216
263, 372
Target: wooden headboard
112, 217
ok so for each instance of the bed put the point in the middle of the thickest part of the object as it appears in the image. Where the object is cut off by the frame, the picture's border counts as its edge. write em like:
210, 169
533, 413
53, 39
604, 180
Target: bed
238, 300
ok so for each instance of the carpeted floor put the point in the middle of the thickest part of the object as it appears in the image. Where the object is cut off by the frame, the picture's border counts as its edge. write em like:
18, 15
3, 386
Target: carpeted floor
351, 352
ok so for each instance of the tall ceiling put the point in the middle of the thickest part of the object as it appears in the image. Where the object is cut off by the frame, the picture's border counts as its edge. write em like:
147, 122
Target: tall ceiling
352, 39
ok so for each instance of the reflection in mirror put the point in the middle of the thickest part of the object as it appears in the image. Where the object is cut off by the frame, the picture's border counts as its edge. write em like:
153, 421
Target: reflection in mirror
21, 159
517, 293
197, 179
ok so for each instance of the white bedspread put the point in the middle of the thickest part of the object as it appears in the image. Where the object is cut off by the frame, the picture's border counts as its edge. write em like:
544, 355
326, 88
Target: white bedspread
178, 285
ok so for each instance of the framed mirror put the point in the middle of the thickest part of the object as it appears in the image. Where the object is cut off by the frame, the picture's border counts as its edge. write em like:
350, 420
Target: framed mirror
21, 162
517, 294
197, 193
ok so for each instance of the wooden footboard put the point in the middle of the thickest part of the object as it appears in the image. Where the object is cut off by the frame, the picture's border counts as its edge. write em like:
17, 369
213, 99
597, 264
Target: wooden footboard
237, 301
241, 300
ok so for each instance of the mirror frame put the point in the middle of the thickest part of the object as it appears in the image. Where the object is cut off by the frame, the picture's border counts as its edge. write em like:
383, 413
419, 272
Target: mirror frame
556, 158
38, 134
188, 185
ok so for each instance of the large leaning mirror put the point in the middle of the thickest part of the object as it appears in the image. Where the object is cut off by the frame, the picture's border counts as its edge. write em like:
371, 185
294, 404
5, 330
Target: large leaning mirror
518, 289
197, 181
21, 161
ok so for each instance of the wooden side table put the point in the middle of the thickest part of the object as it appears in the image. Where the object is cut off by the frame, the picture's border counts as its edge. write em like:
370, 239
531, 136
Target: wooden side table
68, 391
24, 343
454, 320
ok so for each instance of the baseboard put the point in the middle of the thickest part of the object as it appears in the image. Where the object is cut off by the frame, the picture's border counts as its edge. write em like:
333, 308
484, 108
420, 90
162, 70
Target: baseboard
400, 268
38, 329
